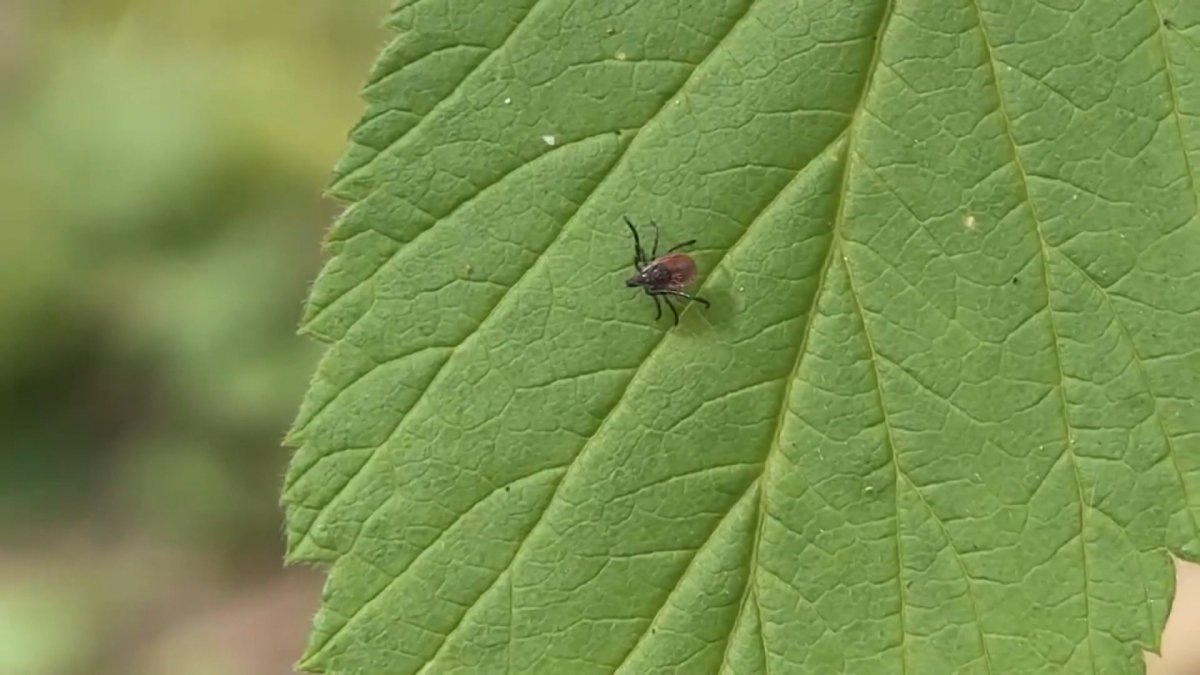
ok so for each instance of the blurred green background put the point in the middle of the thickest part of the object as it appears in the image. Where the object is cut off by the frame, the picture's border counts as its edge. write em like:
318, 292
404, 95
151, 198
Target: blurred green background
162, 212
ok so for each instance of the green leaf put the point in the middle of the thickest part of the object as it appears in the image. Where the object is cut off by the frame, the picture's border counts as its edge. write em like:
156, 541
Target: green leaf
941, 416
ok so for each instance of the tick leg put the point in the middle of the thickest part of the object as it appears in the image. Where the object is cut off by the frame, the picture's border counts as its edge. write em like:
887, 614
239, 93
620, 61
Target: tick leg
639, 256
657, 306
676, 247
668, 301
684, 294
654, 253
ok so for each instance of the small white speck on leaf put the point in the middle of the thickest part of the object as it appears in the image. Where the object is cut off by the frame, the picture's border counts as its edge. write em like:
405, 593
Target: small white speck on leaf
970, 224
621, 56
549, 139
507, 100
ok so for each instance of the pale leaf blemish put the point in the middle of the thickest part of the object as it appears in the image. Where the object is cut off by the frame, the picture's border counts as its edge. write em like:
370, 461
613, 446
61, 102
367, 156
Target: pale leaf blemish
550, 139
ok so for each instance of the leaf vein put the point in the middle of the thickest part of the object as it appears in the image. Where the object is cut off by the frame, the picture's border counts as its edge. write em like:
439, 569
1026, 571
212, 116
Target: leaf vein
687, 569
504, 42
1069, 450
417, 558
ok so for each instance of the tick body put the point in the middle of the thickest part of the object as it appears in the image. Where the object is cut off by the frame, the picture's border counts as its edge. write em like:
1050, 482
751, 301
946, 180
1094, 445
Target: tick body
663, 277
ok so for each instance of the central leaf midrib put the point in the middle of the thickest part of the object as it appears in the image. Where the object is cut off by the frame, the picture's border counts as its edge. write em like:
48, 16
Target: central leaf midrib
848, 139
1043, 255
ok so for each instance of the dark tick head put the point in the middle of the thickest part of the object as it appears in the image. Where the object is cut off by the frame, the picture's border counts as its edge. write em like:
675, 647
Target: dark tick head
658, 275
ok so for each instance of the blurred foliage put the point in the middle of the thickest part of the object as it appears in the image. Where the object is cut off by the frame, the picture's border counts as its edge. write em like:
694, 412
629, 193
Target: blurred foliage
162, 211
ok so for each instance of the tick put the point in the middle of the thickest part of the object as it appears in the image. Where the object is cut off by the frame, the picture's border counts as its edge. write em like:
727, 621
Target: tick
663, 276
